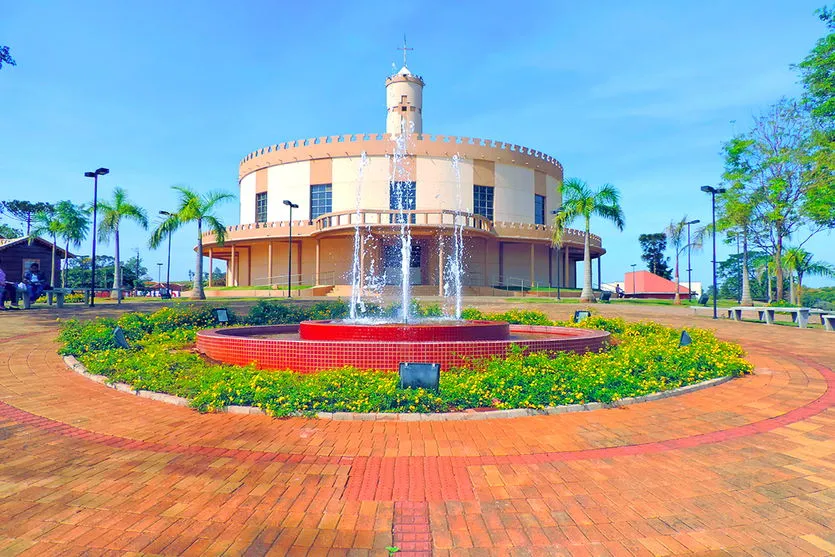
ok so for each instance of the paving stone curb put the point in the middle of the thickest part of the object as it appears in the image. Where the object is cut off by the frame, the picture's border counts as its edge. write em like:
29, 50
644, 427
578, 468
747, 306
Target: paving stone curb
76, 366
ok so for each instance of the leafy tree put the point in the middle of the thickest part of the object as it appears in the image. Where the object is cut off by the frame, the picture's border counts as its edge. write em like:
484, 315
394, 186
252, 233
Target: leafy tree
728, 275
772, 165
7, 231
112, 213
736, 211
801, 263
47, 224
579, 200
194, 207
653, 247
5, 57
74, 222
24, 210
817, 70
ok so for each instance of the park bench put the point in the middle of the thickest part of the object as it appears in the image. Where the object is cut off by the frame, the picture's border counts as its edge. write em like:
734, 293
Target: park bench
799, 315
828, 321
56, 294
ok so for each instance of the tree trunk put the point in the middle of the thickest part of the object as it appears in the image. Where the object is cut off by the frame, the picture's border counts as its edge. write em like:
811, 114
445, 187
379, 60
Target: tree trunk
799, 292
677, 297
746, 282
778, 269
66, 259
587, 295
52, 268
768, 274
117, 268
197, 291
792, 298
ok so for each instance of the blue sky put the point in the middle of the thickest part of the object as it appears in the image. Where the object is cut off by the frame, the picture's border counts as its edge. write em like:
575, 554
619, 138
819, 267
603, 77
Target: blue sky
638, 94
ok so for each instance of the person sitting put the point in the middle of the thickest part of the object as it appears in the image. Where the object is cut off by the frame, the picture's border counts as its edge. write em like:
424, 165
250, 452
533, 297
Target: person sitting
619, 291
34, 281
8, 290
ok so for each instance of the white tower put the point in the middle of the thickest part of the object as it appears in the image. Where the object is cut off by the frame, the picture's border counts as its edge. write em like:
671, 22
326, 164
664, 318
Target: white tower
404, 100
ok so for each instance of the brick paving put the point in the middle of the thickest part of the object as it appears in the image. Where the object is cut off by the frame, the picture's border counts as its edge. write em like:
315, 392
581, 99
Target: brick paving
747, 467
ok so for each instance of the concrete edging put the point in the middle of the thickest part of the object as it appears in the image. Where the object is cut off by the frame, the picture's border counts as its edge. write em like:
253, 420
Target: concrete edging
73, 364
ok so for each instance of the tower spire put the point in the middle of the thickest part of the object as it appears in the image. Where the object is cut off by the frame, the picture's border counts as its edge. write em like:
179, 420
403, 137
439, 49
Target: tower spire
404, 48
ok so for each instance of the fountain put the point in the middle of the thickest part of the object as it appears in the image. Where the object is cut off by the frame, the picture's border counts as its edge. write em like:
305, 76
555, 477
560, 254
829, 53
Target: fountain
368, 343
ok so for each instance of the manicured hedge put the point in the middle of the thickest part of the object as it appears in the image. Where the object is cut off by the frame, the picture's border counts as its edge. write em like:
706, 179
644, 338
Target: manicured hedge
644, 358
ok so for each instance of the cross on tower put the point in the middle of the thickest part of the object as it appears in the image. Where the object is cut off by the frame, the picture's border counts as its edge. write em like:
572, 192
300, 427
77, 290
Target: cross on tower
404, 48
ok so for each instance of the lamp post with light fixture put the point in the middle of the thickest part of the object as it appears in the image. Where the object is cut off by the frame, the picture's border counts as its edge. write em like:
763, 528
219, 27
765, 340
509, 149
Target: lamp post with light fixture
95, 176
290, 247
689, 267
168, 266
713, 191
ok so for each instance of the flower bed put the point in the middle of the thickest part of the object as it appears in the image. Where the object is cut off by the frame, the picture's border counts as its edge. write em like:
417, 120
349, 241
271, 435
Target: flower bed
645, 358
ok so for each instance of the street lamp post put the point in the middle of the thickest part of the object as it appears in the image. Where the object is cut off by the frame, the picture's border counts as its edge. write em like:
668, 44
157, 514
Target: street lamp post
689, 266
159, 277
168, 265
559, 255
290, 247
634, 292
713, 191
95, 176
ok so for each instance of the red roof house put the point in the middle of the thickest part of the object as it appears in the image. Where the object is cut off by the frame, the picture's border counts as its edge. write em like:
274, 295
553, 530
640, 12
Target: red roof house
643, 284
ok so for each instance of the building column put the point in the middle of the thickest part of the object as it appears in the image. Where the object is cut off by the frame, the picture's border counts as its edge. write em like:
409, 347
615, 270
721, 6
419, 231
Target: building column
316, 267
567, 273
299, 264
210, 267
550, 266
501, 262
440, 265
533, 261
269, 263
598, 273
234, 270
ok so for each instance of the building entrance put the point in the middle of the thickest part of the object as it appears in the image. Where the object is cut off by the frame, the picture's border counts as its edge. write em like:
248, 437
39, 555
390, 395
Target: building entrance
391, 263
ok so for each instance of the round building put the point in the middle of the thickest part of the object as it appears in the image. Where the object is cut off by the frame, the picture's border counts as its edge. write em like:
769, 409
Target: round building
507, 194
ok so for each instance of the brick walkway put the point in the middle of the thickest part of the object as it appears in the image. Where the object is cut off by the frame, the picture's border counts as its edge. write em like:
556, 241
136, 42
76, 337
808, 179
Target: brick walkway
747, 467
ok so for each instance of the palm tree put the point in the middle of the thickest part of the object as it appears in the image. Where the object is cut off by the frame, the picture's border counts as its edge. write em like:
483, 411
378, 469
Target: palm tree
579, 200
194, 207
46, 223
112, 213
799, 262
75, 221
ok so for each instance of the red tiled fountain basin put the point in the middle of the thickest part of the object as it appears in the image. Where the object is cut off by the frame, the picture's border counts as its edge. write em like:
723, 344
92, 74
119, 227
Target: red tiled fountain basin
421, 331
283, 349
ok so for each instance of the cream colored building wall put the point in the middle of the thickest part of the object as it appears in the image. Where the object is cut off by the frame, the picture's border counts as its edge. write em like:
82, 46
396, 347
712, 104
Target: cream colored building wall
247, 199
513, 195
517, 262
335, 258
438, 183
288, 181
374, 187
541, 265
552, 200
258, 265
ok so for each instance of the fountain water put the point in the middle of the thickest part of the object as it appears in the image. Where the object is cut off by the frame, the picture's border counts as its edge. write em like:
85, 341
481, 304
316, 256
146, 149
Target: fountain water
455, 264
357, 304
403, 196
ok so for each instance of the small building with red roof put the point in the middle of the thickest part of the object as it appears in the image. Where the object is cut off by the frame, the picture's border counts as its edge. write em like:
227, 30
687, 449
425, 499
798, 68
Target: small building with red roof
643, 284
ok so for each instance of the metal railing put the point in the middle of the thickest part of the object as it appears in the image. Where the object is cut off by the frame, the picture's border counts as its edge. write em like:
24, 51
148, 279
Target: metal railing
326, 278
391, 217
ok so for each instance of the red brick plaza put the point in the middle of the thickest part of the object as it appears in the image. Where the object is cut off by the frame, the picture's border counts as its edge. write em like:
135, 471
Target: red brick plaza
746, 467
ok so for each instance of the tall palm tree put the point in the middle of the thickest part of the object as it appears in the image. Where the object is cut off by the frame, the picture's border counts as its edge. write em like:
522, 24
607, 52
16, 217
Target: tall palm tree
799, 262
194, 207
675, 233
580, 200
75, 222
112, 213
46, 223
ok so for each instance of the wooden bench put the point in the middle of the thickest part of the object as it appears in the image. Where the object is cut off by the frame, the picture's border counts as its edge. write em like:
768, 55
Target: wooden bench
828, 321
799, 315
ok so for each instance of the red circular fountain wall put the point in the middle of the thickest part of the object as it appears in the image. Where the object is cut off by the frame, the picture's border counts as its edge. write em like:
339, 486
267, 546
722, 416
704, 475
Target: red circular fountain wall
316, 345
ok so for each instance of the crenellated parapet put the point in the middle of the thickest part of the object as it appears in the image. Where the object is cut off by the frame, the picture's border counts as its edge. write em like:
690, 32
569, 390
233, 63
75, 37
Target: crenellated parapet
381, 144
